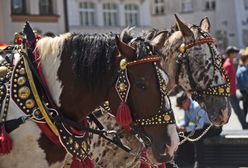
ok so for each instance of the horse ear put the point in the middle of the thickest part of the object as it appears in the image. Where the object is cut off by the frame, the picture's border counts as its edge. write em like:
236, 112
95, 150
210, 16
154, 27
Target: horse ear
205, 24
159, 39
124, 49
125, 35
183, 28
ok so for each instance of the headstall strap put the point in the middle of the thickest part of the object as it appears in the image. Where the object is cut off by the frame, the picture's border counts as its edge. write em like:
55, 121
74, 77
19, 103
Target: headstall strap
220, 90
123, 87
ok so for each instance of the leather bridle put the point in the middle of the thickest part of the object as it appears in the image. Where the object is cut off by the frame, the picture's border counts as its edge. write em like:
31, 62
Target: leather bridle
183, 59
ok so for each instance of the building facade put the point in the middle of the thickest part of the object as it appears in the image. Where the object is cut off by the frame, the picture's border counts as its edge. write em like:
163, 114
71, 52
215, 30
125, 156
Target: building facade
43, 15
229, 18
100, 16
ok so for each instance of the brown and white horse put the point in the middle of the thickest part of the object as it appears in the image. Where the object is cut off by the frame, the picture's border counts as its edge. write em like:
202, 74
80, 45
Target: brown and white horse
203, 59
81, 72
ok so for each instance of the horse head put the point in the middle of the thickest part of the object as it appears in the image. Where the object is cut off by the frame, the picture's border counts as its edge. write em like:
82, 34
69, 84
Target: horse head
192, 61
159, 136
83, 71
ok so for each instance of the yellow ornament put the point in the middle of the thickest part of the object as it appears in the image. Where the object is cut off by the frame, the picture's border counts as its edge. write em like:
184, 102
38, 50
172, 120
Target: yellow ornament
122, 87
24, 92
3, 71
123, 64
221, 90
182, 48
21, 80
166, 117
29, 103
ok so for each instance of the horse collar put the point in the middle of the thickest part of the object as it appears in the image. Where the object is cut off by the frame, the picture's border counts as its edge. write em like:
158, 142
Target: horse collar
26, 96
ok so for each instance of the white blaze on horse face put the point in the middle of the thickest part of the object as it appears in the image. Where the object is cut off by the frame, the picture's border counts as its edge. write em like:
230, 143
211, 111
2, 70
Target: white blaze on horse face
50, 50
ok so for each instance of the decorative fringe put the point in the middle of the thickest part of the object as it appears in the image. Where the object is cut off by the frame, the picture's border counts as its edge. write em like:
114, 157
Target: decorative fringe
162, 165
76, 163
144, 165
123, 115
5, 142
86, 163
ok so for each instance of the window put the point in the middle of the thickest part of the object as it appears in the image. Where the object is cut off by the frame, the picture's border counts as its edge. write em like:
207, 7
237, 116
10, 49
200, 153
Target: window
210, 5
158, 7
131, 14
245, 37
18, 6
110, 14
87, 14
46, 7
246, 4
186, 5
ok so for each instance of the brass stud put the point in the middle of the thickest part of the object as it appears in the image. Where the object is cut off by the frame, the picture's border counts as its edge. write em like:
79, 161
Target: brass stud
3, 71
70, 140
122, 87
221, 90
30, 103
22, 71
182, 48
76, 146
123, 64
166, 117
24, 92
21, 80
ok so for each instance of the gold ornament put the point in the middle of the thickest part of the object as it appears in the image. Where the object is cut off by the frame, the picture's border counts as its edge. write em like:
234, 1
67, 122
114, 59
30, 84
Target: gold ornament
24, 92
166, 117
123, 64
22, 71
221, 90
21, 80
76, 146
182, 48
29, 103
3, 71
122, 87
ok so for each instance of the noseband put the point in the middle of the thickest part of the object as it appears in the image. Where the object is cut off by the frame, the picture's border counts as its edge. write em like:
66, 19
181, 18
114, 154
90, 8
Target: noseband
183, 58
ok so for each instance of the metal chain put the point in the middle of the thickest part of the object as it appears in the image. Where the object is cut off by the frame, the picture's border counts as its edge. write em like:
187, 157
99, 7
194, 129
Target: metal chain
187, 138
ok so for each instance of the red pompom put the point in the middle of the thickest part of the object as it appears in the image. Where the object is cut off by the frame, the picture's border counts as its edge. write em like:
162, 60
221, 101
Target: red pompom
88, 163
145, 165
162, 166
5, 142
123, 115
76, 163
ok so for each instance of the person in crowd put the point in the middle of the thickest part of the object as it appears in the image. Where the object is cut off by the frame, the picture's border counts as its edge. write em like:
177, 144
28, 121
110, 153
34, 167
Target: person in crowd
231, 53
242, 79
195, 122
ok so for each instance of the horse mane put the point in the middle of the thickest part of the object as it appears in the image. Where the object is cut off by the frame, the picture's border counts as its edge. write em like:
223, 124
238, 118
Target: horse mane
91, 55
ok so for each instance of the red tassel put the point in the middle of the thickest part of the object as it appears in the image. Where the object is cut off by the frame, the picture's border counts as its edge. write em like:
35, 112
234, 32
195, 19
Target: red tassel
76, 163
88, 163
123, 115
162, 165
5, 142
144, 165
